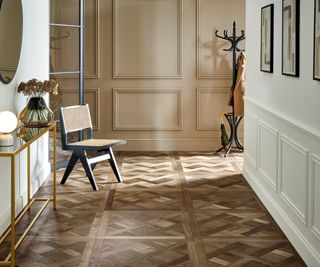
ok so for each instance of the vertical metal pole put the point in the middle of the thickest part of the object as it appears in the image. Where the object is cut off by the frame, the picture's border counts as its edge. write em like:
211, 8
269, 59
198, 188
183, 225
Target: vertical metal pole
233, 118
234, 36
234, 55
81, 56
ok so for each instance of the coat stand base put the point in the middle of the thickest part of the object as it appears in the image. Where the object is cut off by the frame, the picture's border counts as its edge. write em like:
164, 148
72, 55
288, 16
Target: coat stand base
234, 122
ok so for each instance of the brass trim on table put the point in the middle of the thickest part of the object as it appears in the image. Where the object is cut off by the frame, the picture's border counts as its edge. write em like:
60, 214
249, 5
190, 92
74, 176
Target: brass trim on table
29, 142
10, 259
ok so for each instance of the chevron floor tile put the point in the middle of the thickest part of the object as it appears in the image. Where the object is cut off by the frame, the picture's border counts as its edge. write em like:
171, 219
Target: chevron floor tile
172, 209
64, 223
230, 183
236, 224
141, 253
50, 252
250, 253
145, 181
225, 200
143, 224
151, 200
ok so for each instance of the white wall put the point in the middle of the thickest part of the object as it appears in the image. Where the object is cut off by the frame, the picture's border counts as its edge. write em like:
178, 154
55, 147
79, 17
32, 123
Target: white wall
282, 133
34, 63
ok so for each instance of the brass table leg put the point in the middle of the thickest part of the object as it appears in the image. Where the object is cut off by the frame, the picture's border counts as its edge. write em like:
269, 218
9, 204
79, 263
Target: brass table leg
54, 165
28, 175
13, 211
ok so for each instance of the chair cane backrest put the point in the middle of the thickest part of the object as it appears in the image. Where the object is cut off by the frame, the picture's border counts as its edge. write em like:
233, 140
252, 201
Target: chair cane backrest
74, 119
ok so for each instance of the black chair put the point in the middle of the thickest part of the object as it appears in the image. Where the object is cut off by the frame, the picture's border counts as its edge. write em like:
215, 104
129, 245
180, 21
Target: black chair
76, 119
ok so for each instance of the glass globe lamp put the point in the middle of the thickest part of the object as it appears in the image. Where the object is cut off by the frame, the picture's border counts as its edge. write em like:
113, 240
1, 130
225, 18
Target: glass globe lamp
8, 123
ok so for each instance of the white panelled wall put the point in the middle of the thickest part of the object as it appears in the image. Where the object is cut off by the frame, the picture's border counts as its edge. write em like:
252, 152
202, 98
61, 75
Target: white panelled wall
282, 133
34, 63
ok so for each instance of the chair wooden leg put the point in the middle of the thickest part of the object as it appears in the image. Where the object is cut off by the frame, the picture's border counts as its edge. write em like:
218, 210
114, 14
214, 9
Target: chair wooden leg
87, 168
98, 153
114, 165
72, 162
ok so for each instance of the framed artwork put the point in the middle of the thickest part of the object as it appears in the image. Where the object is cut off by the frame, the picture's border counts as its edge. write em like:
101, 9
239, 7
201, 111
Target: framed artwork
266, 42
316, 41
290, 37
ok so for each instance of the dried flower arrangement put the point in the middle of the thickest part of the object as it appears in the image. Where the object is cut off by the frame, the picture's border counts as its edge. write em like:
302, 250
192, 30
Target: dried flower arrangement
36, 88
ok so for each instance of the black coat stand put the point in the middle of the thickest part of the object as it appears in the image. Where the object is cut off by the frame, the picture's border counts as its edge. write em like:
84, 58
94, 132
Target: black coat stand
232, 119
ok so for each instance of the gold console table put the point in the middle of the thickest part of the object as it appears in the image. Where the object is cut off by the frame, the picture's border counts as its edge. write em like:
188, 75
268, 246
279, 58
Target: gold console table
23, 138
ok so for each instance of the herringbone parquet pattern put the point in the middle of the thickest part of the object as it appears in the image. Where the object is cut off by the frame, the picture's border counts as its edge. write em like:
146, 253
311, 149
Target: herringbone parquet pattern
173, 209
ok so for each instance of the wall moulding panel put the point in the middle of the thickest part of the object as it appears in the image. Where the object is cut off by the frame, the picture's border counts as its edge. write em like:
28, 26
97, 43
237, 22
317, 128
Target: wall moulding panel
268, 154
294, 176
64, 51
315, 196
211, 101
92, 40
147, 109
68, 97
251, 123
147, 39
212, 62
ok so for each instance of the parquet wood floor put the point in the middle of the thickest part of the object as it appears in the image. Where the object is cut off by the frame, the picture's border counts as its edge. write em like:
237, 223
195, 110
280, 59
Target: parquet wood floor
173, 209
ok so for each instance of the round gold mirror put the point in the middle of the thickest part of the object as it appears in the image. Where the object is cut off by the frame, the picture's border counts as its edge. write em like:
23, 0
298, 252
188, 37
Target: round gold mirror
11, 37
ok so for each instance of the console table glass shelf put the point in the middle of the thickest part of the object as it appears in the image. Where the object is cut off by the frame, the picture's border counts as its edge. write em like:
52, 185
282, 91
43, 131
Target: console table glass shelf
23, 138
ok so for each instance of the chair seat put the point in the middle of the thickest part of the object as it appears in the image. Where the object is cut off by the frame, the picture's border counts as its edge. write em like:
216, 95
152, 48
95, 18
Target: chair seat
95, 144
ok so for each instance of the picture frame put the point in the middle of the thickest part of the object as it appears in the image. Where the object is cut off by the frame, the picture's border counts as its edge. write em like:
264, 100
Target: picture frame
316, 41
290, 37
266, 39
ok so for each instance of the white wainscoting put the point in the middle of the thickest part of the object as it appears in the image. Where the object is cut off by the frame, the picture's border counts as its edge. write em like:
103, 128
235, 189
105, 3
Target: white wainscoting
268, 154
315, 196
294, 176
282, 164
251, 124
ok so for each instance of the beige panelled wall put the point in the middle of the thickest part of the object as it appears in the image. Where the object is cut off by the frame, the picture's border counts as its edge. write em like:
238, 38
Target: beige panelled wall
147, 38
155, 74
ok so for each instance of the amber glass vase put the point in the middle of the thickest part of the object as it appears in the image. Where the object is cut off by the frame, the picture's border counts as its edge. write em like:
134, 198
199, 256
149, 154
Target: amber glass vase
36, 113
